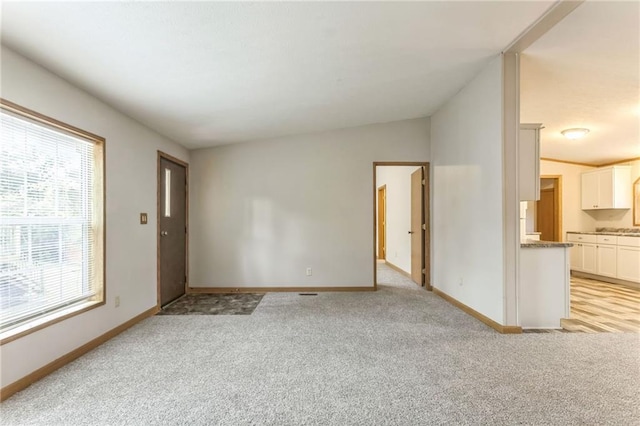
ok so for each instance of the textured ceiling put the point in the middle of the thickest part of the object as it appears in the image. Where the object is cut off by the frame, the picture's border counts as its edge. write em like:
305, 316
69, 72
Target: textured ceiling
585, 72
205, 73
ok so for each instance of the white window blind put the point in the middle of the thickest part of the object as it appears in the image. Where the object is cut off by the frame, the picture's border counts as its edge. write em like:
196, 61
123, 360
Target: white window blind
47, 220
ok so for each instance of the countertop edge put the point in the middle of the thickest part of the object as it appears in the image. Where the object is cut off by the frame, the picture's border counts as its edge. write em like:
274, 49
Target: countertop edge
544, 244
617, 234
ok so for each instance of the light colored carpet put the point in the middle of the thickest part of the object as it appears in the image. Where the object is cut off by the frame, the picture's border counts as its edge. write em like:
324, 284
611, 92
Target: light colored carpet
399, 356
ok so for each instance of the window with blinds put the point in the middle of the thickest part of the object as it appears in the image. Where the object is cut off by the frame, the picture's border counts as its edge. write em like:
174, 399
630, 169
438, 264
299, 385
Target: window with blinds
51, 217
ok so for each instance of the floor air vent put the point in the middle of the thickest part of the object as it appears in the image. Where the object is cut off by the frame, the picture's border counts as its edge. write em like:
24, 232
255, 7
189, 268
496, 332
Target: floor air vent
307, 294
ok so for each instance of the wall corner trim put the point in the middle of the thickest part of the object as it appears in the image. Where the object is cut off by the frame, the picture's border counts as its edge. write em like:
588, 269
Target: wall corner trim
38, 374
504, 329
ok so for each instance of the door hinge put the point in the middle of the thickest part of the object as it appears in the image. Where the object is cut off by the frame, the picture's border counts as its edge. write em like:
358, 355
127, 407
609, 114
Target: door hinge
424, 226
424, 271
424, 182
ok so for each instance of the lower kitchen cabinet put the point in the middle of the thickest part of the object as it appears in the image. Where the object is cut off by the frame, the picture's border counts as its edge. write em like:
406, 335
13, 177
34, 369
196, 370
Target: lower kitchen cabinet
606, 255
583, 253
628, 258
575, 257
589, 258
584, 258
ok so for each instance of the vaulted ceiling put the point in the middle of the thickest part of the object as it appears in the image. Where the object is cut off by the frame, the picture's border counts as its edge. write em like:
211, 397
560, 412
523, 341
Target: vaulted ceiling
206, 73
585, 72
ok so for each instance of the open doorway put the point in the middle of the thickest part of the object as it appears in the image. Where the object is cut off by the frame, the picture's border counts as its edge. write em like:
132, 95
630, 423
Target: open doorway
549, 209
401, 220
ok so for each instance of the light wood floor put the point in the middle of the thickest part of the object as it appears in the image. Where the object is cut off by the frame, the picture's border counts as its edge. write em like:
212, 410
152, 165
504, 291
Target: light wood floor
598, 306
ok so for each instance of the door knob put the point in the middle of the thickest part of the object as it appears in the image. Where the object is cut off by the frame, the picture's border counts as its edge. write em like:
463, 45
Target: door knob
164, 233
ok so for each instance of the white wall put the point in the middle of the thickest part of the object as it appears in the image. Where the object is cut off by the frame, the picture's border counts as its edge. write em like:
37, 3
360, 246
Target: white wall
131, 155
398, 182
467, 210
618, 218
530, 217
573, 217
264, 211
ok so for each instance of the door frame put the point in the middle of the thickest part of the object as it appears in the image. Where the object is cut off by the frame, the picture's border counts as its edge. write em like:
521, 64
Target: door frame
557, 211
164, 155
382, 227
426, 211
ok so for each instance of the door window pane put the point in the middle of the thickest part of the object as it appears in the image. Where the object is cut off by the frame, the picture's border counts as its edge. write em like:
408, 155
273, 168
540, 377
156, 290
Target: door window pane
167, 192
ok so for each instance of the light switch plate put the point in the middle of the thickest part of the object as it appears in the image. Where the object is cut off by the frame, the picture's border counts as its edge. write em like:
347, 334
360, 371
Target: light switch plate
143, 218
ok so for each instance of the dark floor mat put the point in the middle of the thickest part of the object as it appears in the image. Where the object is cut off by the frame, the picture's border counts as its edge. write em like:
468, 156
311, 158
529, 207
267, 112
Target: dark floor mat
214, 304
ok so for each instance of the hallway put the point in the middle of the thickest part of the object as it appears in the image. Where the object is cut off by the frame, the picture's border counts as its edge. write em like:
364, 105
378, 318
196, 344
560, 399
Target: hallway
387, 276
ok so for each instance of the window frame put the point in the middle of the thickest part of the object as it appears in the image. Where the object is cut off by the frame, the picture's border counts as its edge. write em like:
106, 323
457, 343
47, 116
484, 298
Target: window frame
99, 188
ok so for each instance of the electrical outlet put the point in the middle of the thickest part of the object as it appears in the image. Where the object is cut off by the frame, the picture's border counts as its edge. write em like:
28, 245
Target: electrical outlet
117, 301
309, 272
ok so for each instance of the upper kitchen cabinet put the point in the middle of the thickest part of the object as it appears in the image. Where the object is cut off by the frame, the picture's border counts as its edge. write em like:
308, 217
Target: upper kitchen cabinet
529, 161
607, 188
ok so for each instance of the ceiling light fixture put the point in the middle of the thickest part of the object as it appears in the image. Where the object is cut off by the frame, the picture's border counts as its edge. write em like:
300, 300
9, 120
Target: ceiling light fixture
574, 133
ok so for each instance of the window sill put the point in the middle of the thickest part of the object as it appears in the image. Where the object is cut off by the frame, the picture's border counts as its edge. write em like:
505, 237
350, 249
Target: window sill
45, 321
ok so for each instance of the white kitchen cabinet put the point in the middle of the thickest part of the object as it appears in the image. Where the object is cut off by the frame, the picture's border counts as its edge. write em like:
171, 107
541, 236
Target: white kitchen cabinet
628, 259
575, 257
529, 161
607, 188
590, 190
584, 258
583, 253
606, 260
606, 255
628, 267
589, 258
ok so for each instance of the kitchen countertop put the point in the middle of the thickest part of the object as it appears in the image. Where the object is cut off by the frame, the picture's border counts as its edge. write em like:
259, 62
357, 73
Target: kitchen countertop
544, 244
619, 234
